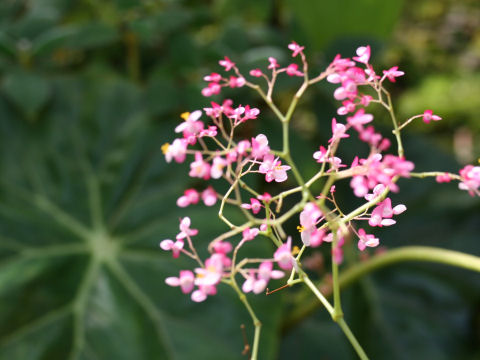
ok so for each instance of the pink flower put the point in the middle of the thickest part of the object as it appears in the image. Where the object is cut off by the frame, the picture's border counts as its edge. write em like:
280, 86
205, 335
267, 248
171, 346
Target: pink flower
308, 222
216, 170
174, 246
392, 73
321, 155
429, 116
213, 88
260, 146
222, 247
185, 281
199, 168
236, 82
266, 272
283, 255
292, 70
339, 64
250, 234
212, 273
227, 64
213, 77
265, 197
258, 283
243, 146
363, 54
366, 240
253, 284
359, 184
443, 178
215, 111
348, 107
273, 169
365, 100
185, 230
383, 213
191, 125
338, 131
211, 131
296, 49
273, 63
470, 179
359, 119
250, 113
177, 150
254, 205
202, 292
209, 196
256, 72
190, 196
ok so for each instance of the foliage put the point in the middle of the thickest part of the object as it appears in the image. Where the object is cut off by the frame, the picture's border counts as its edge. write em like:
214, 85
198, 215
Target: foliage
89, 91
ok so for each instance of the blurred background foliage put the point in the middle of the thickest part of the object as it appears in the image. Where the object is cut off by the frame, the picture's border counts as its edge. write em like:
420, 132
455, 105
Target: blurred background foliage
90, 90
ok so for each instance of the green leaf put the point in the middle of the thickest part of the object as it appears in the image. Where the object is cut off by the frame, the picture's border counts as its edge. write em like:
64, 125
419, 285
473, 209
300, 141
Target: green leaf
92, 35
7, 46
325, 21
27, 90
85, 198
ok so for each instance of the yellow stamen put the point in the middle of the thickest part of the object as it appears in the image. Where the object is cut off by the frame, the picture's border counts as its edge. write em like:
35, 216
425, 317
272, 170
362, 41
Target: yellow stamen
300, 228
295, 250
185, 115
165, 148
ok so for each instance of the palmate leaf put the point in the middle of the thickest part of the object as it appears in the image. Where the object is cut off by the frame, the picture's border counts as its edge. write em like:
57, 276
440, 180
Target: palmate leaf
85, 198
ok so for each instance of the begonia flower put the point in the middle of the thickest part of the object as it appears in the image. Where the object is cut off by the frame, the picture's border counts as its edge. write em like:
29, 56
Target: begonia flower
185, 281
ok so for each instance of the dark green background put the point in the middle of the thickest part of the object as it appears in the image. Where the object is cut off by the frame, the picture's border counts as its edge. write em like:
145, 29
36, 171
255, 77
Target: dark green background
90, 90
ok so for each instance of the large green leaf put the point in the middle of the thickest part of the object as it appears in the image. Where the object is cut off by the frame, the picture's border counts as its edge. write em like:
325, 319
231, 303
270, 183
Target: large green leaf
28, 91
85, 198
324, 21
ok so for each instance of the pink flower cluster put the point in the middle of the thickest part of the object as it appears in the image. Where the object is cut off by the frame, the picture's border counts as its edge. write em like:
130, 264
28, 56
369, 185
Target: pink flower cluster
254, 151
217, 81
217, 266
218, 153
470, 179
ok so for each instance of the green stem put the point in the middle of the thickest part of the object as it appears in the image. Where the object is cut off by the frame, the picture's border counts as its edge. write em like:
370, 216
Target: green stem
336, 316
317, 293
306, 305
256, 322
337, 304
396, 130
348, 333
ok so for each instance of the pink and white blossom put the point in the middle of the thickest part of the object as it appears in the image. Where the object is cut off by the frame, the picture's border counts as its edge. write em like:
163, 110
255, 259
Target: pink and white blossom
250, 234
296, 49
185, 281
429, 116
177, 150
273, 169
392, 73
363, 54
470, 179
216, 170
283, 255
174, 246
226, 63
209, 196
189, 197
185, 230
199, 168
366, 240
254, 205
260, 146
